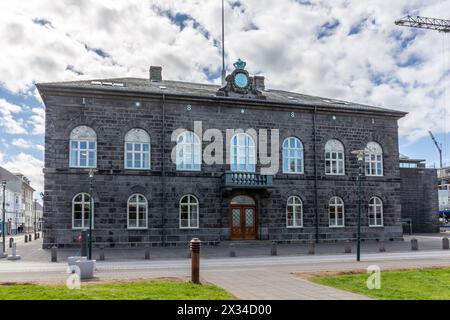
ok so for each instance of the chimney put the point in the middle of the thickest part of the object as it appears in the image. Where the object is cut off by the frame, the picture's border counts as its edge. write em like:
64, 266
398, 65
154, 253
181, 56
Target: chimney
155, 74
259, 83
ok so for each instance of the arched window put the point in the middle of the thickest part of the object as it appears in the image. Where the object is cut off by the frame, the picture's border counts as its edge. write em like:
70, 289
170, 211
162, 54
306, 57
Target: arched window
334, 158
243, 153
336, 212
294, 212
292, 155
80, 211
137, 149
375, 212
189, 151
374, 159
188, 212
137, 212
83, 148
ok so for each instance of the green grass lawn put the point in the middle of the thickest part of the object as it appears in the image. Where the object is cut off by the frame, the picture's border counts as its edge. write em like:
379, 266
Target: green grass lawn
142, 290
423, 284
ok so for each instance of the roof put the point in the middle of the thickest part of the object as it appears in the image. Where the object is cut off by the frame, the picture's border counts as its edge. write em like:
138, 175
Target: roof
13, 182
208, 91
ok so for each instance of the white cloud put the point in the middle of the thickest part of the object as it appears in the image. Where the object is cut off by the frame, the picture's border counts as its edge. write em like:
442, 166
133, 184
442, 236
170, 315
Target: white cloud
37, 121
10, 123
29, 166
24, 144
278, 39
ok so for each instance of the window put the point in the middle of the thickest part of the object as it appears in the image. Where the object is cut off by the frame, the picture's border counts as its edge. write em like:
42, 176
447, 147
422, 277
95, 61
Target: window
334, 158
374, 159
243, 153
83, 148
336, 212
137, 149
292, 155
294, 212
188, 212
189, 151
375, 212
137, 212
80, 211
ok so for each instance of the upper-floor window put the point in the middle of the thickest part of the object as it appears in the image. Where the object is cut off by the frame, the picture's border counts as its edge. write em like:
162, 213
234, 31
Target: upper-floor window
137, 149
243, 153
375, 212
137, 212
294, 212
374, 159
334, 158
83, 148
336, 212
292, 155
189, 151
188, 212
80, 211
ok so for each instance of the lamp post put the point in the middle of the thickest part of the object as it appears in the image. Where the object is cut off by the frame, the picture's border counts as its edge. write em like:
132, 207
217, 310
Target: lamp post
35, 207
360, 155
3, 184
91, 191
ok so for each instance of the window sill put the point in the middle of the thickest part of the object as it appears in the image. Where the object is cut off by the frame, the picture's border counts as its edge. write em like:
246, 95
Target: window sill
138, 169
294, 173
137, 228
336, 227
189, 228
294, 227
335, 174
381, 226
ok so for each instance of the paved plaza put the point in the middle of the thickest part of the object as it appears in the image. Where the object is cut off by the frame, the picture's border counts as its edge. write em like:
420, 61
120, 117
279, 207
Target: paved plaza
252, 274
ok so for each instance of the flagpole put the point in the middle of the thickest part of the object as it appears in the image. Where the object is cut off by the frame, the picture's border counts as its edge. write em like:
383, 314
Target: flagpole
223, 44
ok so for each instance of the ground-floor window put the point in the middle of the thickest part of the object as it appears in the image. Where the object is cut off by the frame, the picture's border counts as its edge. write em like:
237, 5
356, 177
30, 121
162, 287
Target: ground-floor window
188, 212
80, 211
294, 212
375, 212
336, 212
137, 212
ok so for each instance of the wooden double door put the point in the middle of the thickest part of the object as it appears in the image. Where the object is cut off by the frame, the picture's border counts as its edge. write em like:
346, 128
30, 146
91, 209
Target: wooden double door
243, 222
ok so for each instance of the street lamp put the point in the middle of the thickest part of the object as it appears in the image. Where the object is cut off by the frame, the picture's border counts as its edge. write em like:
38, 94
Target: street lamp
3, 253
360, 155
35, 207
91, 191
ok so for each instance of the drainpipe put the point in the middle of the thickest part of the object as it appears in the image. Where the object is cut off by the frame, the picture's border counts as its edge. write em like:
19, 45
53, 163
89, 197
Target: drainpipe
316, 195
163, 171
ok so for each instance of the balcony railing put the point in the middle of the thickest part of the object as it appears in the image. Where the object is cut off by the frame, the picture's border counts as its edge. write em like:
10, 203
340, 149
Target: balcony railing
245, 180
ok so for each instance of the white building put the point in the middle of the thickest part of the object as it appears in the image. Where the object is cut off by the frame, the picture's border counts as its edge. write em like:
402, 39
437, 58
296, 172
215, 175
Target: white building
14, 208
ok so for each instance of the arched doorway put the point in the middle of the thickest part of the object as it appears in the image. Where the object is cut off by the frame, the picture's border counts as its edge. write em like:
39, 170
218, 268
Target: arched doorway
243, 218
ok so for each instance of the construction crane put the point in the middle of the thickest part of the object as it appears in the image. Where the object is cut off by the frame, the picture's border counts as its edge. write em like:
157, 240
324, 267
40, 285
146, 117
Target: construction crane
440, 25
438, 146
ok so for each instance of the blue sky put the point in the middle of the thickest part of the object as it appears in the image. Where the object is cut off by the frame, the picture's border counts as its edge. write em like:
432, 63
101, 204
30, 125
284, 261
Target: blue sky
344, 49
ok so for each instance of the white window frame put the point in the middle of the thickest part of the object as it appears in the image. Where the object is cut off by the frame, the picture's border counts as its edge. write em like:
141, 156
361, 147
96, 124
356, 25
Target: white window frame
377, 203
188, 153
137, 137
288, 149
138, 204
333, 204
296, 204
84, 224
189, 204
242, 155
334, 148
373, 160
79, 135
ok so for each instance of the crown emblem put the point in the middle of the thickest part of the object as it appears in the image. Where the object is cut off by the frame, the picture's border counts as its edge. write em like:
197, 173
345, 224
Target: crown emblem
239, 64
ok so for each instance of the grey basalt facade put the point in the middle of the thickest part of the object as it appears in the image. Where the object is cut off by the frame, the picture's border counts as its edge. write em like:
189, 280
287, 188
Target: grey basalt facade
164, 106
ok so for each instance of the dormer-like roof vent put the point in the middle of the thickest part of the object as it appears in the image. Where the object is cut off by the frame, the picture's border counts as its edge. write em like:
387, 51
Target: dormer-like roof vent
155, 74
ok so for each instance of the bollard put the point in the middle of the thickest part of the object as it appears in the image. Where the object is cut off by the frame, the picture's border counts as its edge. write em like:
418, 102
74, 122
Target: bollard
311, 247
147, 252
382, 247
414, 244
445, 243
29, 238
11, 241
348, 246
232, 250
195, 245
35, 236
102, 253
14, 255
54, 254
273, 249
26, 238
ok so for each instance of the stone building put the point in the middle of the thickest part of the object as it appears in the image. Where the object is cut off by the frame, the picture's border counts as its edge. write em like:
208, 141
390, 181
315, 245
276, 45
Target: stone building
151, 185
419, 196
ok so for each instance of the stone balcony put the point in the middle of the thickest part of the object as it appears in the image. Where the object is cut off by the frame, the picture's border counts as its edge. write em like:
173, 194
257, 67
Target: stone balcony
246, 180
